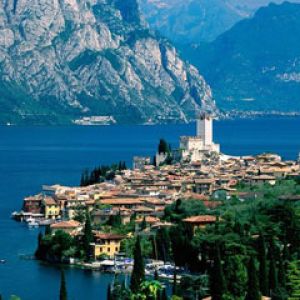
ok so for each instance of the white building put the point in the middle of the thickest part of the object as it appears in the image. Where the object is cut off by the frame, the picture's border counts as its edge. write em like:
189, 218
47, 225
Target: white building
194, 148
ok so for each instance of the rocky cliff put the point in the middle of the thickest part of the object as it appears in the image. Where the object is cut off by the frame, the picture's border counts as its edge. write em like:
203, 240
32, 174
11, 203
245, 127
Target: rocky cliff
64, 59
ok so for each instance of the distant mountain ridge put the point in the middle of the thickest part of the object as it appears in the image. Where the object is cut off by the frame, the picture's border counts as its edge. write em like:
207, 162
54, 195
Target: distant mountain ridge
65, 59
256, 64
197, 21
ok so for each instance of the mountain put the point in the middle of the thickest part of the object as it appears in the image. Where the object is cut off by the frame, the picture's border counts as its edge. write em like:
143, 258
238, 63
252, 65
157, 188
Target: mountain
197, 21
66, 59
256, 64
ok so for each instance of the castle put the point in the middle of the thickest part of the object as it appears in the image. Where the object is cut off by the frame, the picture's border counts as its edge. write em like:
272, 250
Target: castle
195, 148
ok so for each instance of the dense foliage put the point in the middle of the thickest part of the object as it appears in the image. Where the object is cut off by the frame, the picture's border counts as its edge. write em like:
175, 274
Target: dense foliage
101, 173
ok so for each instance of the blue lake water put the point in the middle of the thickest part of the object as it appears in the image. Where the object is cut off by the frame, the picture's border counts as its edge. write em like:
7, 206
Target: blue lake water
33, 156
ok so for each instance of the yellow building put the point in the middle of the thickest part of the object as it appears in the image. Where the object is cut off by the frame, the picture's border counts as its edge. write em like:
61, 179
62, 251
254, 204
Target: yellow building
106, 244
51, 209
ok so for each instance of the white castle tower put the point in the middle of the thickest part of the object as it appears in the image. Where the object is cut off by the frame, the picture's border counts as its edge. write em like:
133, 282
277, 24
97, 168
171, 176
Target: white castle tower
205, 128
195, 148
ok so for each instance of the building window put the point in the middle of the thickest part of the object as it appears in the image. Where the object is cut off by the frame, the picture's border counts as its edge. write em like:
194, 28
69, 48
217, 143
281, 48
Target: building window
108, 249
101, 249
117, 249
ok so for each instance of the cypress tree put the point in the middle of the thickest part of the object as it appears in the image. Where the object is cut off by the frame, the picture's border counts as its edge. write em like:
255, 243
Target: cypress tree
156, 275
163, 147
253, 286
38, 253
47, 230
282, 273
154, 161
273, 271
217, 278
273, 275
174, 287
109, 295
164, 295
143, 225
63, 290
138, 272
82, 179
88, 235
263, 271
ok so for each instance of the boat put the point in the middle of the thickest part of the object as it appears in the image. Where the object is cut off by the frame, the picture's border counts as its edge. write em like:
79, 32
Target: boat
45, 222
32, 223
2, 261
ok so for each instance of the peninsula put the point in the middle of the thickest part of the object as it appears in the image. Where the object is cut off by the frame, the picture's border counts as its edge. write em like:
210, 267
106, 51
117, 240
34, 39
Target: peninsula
187, 208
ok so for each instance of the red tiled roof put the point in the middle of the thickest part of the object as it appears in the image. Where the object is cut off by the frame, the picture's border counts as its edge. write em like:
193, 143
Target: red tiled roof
148, 219
109, 236
201, 219
212, 204
66, 224
49, 201
119, 201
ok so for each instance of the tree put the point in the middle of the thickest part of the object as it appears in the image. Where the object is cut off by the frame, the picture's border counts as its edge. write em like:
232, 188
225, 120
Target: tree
163, 295
163, 243
263, 271
163, 147
143, 225
194, 287
138, 272
253, 286
88, 235
236, 275
273, 275
115, 220
217, 278
118, 290
293, 280
63, 290
181, 237
151, 289
109, 296
156, 275
39, 251
174, 287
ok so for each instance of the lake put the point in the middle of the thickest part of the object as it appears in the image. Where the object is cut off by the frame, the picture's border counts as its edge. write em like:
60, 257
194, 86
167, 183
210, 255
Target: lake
33, 156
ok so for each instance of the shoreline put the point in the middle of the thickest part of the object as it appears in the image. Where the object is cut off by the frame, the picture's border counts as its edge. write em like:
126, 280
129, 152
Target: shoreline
222, 116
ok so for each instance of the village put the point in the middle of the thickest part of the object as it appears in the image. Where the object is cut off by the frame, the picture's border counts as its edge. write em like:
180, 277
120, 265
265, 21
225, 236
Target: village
196, 171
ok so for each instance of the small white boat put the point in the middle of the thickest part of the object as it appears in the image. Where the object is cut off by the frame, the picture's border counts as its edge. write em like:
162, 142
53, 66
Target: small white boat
32, 223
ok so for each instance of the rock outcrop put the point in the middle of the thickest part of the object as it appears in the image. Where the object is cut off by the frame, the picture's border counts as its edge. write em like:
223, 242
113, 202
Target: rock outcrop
65, 59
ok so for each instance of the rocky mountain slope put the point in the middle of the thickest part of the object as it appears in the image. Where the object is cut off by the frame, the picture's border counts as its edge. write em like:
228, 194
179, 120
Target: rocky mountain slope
256, 64
196, 21
64, 59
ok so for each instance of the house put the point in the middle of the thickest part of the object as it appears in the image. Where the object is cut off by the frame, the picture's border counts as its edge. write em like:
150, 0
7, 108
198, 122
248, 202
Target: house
261, 179
200, 221
50, 208
150, 221
204, 185
129, 203
33, 204
143, 210
72, 227
106, 244
102, 216
140, 162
